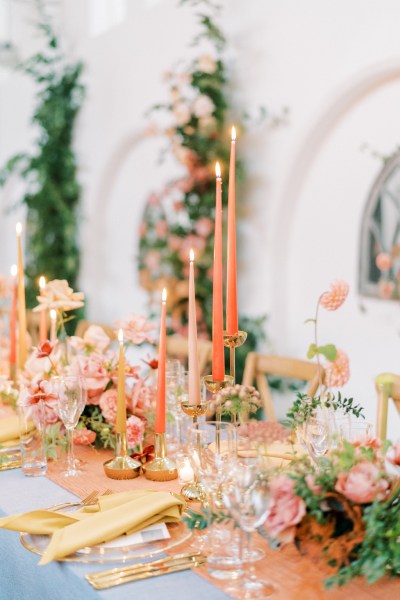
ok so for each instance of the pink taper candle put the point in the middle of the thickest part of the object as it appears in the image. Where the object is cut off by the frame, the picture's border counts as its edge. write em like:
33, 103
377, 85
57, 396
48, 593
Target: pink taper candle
53, 325
218, 358
120, 426
160, 421
21, 302
231, 284
13, 321
42, 315
193, 361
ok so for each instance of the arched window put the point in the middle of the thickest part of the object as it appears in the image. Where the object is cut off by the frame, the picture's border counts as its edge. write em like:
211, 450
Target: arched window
380, 235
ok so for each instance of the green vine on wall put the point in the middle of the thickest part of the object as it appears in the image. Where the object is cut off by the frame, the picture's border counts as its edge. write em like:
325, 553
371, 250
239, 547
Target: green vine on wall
50, 171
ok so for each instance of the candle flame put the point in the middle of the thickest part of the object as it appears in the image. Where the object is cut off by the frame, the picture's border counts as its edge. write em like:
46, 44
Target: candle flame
233, 134
191, 255
53, 314
120, 336
14, 270
18, 228
217, 170
164, 295
42, 282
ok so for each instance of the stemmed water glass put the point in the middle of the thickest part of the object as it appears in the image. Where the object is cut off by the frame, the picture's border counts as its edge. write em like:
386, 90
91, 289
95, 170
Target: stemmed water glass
174, 374
248, 499
70, 404
316, 437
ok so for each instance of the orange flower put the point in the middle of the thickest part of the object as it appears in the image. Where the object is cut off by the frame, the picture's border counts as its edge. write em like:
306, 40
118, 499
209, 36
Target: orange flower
337, 372
334, 299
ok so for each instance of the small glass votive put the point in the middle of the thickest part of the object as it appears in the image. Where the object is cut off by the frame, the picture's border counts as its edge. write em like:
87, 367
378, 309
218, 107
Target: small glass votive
185, 471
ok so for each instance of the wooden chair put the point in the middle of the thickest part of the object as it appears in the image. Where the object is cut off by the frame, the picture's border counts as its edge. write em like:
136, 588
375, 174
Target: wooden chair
387, 386
177, 347
83, 325
258, 366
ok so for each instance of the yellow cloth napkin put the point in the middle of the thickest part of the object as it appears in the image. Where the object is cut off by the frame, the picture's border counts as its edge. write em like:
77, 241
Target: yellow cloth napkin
10, 429
113, 516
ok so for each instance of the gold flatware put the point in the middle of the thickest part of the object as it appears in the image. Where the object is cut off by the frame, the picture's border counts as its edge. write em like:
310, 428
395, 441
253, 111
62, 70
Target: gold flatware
155, 571
116, 571
90, 499
11, 464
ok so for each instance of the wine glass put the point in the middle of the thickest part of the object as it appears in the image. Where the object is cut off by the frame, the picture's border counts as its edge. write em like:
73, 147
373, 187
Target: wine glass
316, 437
248, 499
70, 404
355, 431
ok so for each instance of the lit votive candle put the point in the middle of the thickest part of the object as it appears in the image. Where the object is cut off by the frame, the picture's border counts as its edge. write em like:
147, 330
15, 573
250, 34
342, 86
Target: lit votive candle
185, 471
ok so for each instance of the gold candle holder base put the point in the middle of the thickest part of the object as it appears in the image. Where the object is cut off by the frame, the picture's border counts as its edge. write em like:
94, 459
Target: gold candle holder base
193, 491
161, 468
235, 340
122, 466
216, 386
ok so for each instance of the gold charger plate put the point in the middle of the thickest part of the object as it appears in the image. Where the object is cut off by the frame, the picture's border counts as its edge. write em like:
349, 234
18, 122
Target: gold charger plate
179, 533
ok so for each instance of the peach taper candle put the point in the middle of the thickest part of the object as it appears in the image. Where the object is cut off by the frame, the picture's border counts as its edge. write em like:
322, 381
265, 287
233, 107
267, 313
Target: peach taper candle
193, 361
42, 314
13, 323
121, 402
218, 359
231, 275
21, 301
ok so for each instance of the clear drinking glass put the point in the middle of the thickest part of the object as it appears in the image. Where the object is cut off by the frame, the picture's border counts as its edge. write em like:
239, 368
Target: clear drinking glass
173, 377
316, 437
212, 453
355, 430
32, 436
70, 404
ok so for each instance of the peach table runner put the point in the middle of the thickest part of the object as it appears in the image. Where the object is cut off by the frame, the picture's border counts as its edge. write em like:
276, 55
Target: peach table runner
295, 576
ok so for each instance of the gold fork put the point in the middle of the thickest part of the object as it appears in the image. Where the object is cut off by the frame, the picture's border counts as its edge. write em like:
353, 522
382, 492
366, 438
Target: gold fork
90, 499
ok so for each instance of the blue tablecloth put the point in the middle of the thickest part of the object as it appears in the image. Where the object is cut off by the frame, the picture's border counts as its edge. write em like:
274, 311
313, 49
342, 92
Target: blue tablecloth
22, 579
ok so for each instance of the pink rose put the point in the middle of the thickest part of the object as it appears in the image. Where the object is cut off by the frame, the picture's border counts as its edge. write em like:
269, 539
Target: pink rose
362, 483
84, 437
134, 431
136, 329
367, 441
394, 454
108, 404
94, 375
287, 509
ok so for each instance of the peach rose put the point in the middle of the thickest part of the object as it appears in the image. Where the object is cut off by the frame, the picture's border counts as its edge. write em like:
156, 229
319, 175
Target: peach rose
108, 404
136, 329
287, 509
58, 295
94, 374
84, 437
362, 483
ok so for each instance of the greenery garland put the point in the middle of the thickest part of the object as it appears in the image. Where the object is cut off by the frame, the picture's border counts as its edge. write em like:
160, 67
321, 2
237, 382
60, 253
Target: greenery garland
181, 216
50, 171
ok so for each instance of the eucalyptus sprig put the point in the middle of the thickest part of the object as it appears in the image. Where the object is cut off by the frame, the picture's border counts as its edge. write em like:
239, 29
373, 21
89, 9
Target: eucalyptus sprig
305, 407
203, 518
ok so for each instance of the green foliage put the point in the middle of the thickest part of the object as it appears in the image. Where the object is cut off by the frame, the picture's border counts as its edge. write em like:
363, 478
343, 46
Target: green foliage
52, 190
93, 419
304, 407
55, 438
329, 351
204, 518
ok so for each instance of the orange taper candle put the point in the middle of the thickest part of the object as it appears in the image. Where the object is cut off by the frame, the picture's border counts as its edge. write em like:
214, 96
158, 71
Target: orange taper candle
42, 315
120, 426
193, 360
232, 325
13, 322
159, 426
218, 358
21, 302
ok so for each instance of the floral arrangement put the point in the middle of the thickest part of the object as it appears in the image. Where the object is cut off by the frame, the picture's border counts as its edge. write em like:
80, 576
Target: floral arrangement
263, 433
237, 401
94, 358
345, 515
181, 216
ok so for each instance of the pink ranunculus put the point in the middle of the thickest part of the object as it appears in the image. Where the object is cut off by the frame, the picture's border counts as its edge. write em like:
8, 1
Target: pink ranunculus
334, 299
363, 483
94, 374
314, 487
204, 226
337, 372
108, 404
134, 431
84, 437
287, 509
161, 228
383, 261
136, 329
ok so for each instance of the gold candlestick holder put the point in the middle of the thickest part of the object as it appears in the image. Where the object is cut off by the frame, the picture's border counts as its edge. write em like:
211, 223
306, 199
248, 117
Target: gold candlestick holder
233, 341
194, 490
161, 468
216, 386
122, 466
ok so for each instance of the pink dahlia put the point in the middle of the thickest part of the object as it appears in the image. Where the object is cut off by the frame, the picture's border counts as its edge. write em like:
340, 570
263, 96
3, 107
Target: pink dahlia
334, 299
337, 372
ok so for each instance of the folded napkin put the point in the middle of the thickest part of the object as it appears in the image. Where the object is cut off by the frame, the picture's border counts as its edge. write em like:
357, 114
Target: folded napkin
113, 516
10, 430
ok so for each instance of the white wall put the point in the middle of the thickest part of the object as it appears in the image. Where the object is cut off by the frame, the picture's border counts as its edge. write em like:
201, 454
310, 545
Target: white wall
337, 67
